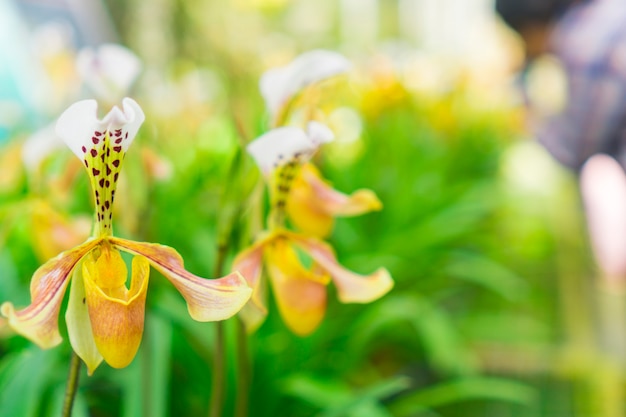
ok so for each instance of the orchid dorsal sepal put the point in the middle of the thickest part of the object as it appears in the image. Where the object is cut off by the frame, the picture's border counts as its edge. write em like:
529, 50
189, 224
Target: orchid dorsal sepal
101, 144
108, 70
288, 144
81, 129
279, 85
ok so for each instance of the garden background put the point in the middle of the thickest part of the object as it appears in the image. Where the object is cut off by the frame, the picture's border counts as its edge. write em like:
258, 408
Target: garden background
495, 309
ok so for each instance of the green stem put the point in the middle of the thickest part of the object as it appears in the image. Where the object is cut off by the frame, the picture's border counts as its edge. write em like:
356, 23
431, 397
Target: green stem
72, 385
243, 372
146, 371
219, 359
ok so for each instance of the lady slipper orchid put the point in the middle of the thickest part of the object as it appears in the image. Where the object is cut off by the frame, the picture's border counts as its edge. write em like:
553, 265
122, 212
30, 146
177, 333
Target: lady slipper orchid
300, 291
279, 85
297, 189
105, 317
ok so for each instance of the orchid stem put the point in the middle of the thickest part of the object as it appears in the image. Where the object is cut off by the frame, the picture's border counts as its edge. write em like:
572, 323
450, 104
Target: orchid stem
217, 387
243, 372
72, 385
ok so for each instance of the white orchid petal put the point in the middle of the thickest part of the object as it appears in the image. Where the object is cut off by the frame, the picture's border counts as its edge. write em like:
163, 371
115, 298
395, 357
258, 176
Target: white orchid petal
319, 133
109, 70
278, 85
134, 119
78, 124
279, 146
276, 88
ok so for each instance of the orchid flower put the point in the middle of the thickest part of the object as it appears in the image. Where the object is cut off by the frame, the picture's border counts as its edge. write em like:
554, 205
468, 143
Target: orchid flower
299, 290
311, 203
298, 190
279, 85
104, 317
108, 70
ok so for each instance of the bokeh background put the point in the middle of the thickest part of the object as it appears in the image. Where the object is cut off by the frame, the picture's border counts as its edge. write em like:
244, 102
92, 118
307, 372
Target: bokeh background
495, 307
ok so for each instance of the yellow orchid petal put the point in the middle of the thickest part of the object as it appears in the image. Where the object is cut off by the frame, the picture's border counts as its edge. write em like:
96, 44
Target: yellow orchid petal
39, 321
116, 314
78, 323
351, 287
249, 263
300, 293
207, 299
312, 203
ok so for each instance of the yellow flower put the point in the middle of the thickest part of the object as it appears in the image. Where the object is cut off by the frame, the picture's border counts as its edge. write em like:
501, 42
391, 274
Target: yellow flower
296, 188
105, 318
300, 291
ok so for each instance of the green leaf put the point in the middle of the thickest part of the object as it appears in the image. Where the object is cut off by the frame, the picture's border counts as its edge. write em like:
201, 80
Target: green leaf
480, 270
468, 389
432, 326
23, 381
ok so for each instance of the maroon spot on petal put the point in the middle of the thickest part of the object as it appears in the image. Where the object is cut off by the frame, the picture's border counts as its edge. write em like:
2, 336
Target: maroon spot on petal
97, 133
95, 172
118, 132
94, 152
108, 170
116, 163
84, 149
97, 201
108, 152
118, 140
117, 174
98, 216
103, 208
101, 182
126, 135
95, 140
110, 216
86, 163
107, 183
97, 193
117, 148
107, 204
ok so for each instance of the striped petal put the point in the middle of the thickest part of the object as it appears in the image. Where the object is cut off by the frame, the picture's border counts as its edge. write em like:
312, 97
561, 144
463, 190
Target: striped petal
300, 293
312, 204
116, 314
78, 323
207, 299
39, 321
249, 263
351, 287
101, 145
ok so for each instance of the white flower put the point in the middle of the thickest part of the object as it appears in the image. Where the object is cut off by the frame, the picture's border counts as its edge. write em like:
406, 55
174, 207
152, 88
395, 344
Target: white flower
286, 144
109, 71
279, 85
